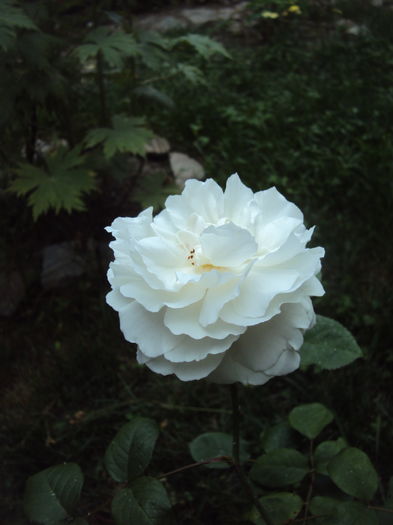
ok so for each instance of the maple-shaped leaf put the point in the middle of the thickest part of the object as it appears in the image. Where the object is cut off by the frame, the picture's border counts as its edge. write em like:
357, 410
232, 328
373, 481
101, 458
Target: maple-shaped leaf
192, 73
59, 187
12, 17
202, 44
128, 135
113, 45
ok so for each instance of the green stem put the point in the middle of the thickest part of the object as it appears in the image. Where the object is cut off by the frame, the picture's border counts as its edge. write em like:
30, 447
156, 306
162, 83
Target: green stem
236, 455
101, 89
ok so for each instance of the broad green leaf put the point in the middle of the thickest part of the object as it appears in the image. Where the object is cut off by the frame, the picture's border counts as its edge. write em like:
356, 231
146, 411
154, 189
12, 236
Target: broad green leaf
60, 186
130, 451
145, 502
52, 494
113, 45
277, 436
215, 444
325, 451
279, 468
352, 471
330, 511
281, 508
329, 345
325, 508
128, 135
203, 45
310, 419
78, 521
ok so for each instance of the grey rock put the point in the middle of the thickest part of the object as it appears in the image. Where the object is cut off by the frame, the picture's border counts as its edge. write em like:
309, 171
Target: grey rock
187, 17
60, 264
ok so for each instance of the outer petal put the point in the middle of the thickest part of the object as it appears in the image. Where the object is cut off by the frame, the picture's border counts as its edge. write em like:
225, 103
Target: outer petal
147, 330
185, 321
230, 371
196, 350
184, 371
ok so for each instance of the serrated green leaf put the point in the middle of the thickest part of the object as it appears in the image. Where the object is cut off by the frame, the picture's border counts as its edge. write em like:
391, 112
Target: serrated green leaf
128, 135
215, 444
52, 494
131, 450
281, 508
7, 37
59, 187
310, 419
277, 436
203, 45
279, 468
145, 502
325, 451
329, 511
352, 471
191, 73
113, 45
13, 16
329, 345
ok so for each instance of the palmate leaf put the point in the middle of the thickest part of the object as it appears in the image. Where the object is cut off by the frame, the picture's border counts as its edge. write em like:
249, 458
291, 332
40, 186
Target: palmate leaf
59, 187
128, 135
114, 46
12, 17
203, 45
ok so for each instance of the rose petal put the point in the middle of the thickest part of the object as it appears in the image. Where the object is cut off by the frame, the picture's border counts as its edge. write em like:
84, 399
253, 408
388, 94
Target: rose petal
227, 245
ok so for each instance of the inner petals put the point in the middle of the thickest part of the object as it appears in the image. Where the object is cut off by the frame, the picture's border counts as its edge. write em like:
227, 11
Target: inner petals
227, 245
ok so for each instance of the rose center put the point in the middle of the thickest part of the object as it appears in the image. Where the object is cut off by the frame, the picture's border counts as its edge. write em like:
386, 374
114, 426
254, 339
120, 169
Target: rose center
196, 261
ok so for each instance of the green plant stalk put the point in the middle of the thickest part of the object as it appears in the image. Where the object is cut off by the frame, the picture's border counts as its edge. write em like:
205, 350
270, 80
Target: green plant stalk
236, 454
104, 120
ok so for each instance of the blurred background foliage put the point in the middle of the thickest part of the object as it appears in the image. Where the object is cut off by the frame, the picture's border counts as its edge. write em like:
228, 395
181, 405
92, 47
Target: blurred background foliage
299, 97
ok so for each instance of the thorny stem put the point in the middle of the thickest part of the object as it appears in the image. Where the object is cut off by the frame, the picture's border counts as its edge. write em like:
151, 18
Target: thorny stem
236, 455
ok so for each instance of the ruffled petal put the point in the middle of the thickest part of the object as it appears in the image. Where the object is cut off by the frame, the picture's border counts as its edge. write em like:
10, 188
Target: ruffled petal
185, 321
227, 245
147, 330
185, 371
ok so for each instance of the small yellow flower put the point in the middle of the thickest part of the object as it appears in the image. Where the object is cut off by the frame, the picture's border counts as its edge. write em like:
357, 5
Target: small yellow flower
269, 14
294, 9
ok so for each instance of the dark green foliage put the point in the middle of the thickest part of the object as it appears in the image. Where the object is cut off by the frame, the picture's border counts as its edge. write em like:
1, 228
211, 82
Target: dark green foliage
51, 495
302, 105
130, 452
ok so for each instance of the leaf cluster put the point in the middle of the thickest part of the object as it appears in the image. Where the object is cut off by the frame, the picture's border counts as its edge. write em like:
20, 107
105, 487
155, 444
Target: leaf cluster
94, 89
52, 495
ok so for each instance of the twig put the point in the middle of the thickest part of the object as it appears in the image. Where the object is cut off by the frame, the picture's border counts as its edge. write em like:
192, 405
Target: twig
219, 459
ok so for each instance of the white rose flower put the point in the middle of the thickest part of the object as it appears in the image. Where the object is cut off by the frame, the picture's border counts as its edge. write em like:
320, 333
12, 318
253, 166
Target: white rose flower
217, 285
